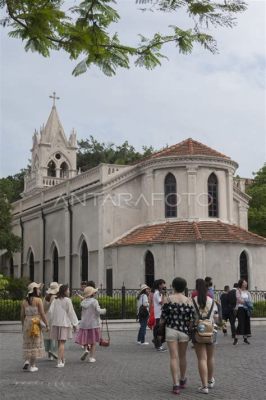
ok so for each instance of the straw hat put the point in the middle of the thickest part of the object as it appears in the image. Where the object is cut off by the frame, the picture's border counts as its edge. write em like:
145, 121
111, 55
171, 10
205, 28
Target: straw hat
32, 286
89, 291
143, 287
54, 288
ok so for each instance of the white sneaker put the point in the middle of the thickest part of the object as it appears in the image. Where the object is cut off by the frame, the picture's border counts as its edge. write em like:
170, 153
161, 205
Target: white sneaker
203, 389
51, 358
33, 369
138, 342
211, 383
92, 360
145, 343
60, 365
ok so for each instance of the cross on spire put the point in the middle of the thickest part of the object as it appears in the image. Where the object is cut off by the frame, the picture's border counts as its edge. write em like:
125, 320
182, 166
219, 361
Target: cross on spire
54, 98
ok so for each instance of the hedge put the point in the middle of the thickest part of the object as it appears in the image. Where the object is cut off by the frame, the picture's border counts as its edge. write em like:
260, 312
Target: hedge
10, 309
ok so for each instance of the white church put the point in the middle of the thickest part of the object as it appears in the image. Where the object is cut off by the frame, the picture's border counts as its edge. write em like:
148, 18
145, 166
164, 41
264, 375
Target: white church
178, 212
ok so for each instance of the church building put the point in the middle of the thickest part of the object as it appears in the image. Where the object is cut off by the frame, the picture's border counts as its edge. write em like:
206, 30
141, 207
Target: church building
178, 212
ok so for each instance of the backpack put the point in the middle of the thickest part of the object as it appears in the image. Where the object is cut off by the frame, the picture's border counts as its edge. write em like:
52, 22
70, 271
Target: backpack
231, 298
203, 328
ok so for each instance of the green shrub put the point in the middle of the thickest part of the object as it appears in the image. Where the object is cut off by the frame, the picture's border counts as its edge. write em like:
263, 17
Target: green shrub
113, 306
259, 309
10, 310
17, 288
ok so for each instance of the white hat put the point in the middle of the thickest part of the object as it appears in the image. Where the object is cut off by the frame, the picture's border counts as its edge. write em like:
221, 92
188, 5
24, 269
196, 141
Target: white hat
143, 287
32, 286
53, 289
89, 291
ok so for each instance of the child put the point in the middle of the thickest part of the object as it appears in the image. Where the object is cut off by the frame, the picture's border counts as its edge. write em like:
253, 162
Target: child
89, 329
63, 318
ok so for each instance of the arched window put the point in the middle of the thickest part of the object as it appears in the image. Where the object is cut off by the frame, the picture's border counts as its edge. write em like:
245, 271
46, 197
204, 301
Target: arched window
51, 169
64, 170
11, 267
170, 196
84, 261
55, 265
31, 266
213, 196
149, 269
243, 263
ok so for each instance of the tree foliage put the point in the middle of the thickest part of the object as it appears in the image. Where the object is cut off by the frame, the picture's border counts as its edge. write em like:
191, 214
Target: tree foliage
257, 210
91, 153
8, 240
84, 30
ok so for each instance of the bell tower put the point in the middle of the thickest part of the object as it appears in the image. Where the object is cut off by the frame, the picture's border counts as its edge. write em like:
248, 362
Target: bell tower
54, 157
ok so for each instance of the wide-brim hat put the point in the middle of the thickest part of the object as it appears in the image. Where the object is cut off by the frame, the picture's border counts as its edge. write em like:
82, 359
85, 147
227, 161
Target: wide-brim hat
143, 287
32, 286
89, 291
54, 288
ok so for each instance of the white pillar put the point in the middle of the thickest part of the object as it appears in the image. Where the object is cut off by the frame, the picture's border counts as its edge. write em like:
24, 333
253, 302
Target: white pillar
67, 246
200, 260
229, 187
191, 191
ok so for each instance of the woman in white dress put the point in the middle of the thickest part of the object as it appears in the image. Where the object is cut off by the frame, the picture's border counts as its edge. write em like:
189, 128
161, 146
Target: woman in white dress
62, 319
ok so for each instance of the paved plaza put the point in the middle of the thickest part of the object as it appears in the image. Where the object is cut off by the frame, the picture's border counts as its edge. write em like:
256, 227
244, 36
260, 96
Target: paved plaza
128, 371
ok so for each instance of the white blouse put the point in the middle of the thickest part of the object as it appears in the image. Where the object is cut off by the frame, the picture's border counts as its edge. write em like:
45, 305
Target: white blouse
61, 313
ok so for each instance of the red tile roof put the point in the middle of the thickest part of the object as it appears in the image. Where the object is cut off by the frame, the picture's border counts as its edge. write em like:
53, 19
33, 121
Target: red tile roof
188, 147
184, 231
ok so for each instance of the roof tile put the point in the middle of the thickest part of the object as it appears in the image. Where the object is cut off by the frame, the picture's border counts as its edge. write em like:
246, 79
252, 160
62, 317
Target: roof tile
185, 231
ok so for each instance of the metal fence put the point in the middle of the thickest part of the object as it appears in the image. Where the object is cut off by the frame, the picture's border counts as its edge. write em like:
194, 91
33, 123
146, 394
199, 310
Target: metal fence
120, 303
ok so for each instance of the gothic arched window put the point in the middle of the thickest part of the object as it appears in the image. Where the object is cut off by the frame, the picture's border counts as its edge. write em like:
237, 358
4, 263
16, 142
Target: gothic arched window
64, 170
31, 266
11, 267
243, 264
149, 268
170, 198
213, 196
84, 261
51, 169
55, 265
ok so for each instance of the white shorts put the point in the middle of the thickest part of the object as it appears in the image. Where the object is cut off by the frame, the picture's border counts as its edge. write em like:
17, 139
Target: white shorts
172, 335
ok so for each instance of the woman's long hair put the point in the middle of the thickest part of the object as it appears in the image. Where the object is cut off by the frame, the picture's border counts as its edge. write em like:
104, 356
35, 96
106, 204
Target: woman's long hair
202, 293
62, 292
30, 296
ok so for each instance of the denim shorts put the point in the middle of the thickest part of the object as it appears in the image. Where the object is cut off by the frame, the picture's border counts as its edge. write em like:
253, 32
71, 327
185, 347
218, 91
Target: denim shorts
172, 335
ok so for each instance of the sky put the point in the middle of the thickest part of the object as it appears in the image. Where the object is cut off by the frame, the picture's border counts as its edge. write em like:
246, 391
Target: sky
219, 100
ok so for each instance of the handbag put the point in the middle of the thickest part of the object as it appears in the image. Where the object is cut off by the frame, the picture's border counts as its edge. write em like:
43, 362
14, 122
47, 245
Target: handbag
104, 342
143, 311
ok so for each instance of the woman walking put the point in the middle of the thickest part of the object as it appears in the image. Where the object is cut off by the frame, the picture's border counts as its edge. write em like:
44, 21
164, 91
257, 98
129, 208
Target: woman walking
89, 329
63, 318
50, 345
143, 313
244, 307
205, 307
178, 315
32, 313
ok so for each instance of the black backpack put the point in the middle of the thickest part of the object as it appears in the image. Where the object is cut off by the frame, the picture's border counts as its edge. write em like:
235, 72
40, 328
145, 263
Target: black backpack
231, 298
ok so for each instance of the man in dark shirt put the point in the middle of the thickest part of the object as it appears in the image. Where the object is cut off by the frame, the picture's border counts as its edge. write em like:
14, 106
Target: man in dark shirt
225, 307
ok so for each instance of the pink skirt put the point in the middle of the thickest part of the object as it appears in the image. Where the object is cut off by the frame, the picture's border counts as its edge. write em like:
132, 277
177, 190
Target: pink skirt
61, 333
87, 336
